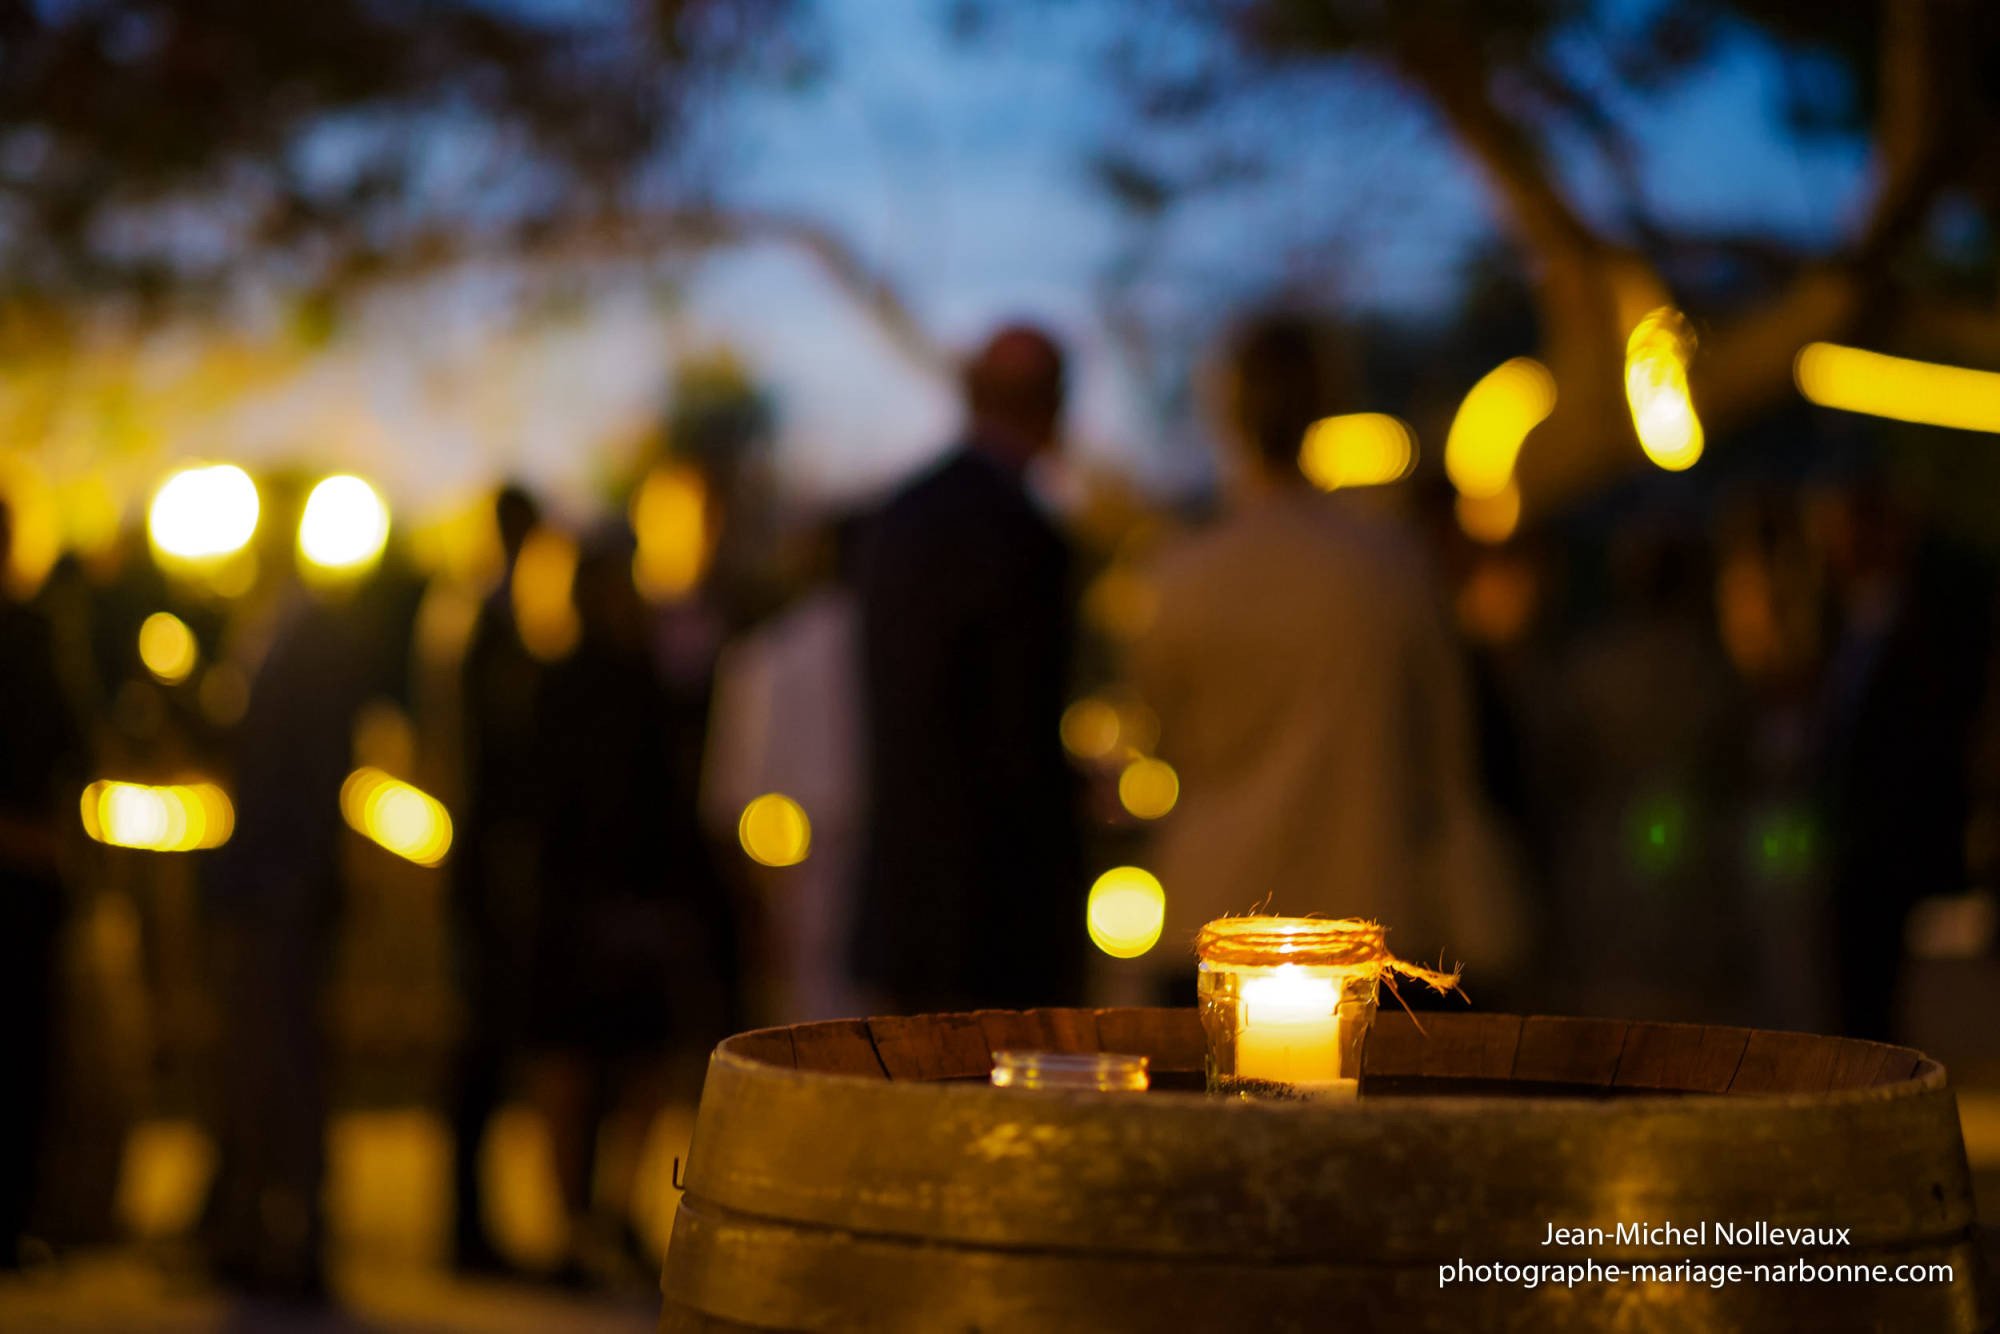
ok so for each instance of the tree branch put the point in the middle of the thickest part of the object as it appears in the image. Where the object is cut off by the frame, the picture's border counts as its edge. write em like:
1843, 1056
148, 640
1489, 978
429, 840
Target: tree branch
1587, 291
1746, 367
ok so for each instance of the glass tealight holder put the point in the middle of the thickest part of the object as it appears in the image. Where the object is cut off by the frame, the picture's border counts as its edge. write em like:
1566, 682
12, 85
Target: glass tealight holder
1095, 1071
1286, 1004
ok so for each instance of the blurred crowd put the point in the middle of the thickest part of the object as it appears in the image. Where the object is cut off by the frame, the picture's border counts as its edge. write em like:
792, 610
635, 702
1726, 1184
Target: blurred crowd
1656, 760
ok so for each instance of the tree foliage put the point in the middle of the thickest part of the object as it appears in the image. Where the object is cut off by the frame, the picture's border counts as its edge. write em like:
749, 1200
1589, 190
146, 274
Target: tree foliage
153, 144
1909, 78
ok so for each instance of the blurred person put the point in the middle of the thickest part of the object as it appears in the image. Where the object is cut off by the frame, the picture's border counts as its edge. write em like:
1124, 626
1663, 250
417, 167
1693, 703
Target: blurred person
103, 1058
971, 895
39, 744
68, 601
626, 950
1771, 608
1313, 704
787, 718
273, 904
1501, 599
495, 874
1648, 760
1901, 694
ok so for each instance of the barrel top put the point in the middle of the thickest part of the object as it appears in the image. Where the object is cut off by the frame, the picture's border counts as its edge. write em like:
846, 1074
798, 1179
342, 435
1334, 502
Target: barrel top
1471, 1053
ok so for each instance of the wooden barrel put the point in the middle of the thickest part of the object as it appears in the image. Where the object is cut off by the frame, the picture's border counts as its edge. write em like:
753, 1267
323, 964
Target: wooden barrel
861, 1176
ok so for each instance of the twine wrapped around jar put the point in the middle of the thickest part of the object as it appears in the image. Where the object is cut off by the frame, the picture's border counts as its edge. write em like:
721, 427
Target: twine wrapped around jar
1342, 942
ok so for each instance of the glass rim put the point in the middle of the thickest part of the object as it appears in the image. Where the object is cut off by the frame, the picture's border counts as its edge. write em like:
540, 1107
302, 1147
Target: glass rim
1299, 940
1092, 1061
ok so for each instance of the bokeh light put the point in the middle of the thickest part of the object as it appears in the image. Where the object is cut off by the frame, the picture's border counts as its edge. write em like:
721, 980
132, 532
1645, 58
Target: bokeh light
202, 514
229, 576
175, 818
670, 523
1148, 788
1656, 388
1856, 380
91, 515
1138, 728
1090, 728
1498, 599
167, 647
38, 527
543, 612
383, 737
1659, 833
1121, 601
1783, 843
1490, 519
407, 821
1095, 728
457, 541
1357, 449
345, 525
224, 694
1126, 911
1492, 424
774, 830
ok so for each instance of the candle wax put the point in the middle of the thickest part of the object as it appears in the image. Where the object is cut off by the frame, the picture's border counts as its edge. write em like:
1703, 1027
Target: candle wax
1290, 1031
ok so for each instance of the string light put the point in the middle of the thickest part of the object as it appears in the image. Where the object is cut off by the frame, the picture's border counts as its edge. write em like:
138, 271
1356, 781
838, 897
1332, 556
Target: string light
1492, 424
344, 527
404, 819
1925, 392
180, 817
1357, 449
1656, 388
203, 513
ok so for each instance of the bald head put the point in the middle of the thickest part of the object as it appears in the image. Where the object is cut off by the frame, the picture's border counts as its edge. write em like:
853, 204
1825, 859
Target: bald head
1014, 392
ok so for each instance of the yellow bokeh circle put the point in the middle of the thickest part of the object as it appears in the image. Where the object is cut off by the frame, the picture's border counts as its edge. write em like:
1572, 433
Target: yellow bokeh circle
167, 647
1148, 788
1126, 911
774, 830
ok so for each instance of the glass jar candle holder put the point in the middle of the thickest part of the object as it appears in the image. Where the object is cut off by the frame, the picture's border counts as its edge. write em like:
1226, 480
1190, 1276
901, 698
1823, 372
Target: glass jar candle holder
1286, 1004
1095, 1071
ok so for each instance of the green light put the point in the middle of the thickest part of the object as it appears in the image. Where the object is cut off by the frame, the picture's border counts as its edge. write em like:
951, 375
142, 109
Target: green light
1658, 833
1782, 841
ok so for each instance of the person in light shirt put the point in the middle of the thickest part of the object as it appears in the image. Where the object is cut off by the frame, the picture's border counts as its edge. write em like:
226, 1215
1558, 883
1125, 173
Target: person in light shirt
1313, 703
787, 718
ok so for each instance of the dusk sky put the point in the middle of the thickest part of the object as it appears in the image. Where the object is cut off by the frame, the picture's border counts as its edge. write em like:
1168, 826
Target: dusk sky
960, 170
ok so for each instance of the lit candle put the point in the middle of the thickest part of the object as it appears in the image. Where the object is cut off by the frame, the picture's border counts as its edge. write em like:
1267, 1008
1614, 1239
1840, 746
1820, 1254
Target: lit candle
1286, 1003
1289, 1031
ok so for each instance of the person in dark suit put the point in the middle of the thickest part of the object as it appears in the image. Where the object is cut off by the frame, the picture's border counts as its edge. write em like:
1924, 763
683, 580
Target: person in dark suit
1901, 702
971, 893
